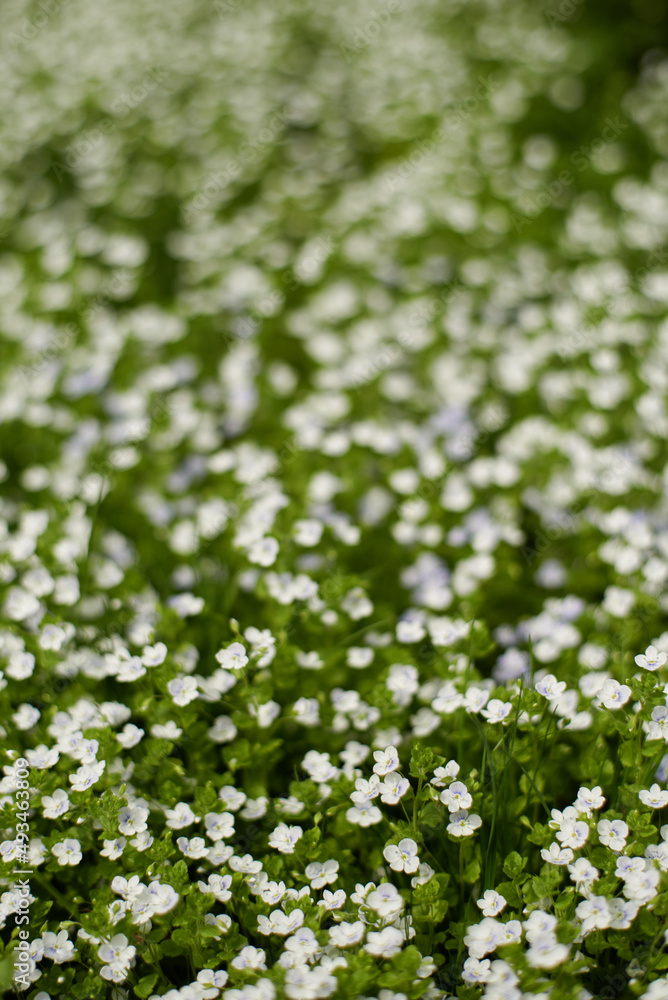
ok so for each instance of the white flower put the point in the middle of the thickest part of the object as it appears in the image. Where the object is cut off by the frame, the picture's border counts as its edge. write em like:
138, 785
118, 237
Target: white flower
589, 799
402, 857
181, 815
183, 689
265, 714
385, 943
483, 938
308, 532
657, 729
582, 872
113, 849
613, 833
556, 855
463, 824
219, 825
68, 852
617, 601
345, 935
194, 848
321, 874
280, 923
492, 903
263, 552
386, 760
309, 661
550, 687
219, 885
443, 775
86, 776
393, 789
153, 656
232, 657
284, 838
476, 970
496, 710
250, 958
364, 814
651, 659
642, 886
546, 953
56, 805
456, 797
130, 736
655, 798
42, 757
594, 913
425, 874
333, 900
117, 951
573, 834
132, 819
613, 695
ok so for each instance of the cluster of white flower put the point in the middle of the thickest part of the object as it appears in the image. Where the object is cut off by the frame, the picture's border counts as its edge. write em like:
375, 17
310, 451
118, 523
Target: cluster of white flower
333, 545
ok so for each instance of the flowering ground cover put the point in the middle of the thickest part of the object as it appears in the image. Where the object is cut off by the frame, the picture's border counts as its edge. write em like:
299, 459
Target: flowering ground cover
333, 501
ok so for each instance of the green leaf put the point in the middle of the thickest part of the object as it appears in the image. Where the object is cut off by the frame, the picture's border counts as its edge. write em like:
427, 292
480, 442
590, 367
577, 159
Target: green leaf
145, 986
423, 761
472, 871
514, 865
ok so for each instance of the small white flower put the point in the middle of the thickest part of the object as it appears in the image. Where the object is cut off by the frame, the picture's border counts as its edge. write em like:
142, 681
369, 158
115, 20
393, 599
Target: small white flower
496, 710
56, 805
402, 857
556, 855
463, 824
346, 935
393, 788
613, 695
456, 797
492, 903
550, 687
386, 760
183, 689
582, 872
613, 833
594, 913
263, 552
68, 852
321, 874
651, 659
655, 798
425, 874
284, 838
232, 657
385, 943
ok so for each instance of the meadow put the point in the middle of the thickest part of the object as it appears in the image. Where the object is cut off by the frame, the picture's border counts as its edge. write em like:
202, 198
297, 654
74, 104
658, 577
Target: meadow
334, 500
